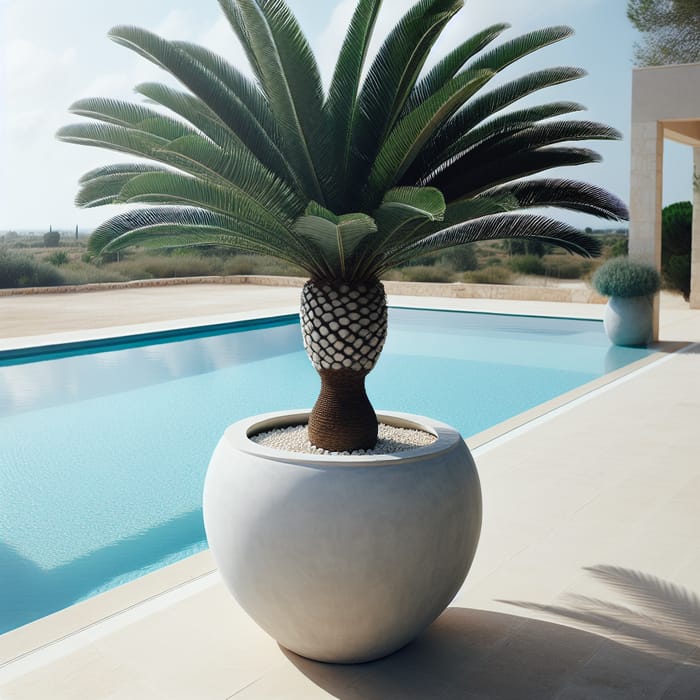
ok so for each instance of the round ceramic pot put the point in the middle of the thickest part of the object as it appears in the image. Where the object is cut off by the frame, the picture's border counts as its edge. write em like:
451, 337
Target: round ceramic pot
629, 320
342, 558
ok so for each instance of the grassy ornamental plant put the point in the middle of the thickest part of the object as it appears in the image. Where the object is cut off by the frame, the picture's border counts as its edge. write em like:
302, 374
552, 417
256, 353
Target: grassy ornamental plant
392, 162
621, 277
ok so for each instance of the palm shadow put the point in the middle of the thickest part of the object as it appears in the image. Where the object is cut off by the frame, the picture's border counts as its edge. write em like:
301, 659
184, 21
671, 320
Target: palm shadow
662, 618
469, 654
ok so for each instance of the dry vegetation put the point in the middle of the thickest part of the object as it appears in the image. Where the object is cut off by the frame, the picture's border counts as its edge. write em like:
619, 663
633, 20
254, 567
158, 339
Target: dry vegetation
26, 261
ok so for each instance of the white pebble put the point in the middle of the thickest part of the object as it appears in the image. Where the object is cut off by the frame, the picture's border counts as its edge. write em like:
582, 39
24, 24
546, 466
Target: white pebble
295, 438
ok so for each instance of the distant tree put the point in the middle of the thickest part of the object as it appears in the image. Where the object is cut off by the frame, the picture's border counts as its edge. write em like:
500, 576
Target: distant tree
52, 239
670, 31
676, 241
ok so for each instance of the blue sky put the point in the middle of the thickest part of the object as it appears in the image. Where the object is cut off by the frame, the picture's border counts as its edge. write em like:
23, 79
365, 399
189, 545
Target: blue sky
56, 51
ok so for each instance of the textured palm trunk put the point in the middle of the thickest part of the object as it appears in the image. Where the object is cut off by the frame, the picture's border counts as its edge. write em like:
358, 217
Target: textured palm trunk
344, 329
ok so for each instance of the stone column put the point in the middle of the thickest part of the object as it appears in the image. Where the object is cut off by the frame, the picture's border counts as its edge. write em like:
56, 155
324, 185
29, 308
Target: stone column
646, 181
695, 250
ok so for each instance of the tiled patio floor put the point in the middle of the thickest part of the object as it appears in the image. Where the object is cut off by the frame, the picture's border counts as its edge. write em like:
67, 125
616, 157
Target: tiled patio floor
585, 585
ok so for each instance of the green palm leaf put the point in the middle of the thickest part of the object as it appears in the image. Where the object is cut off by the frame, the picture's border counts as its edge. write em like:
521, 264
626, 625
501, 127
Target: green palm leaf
391, 78
447, 68
103, 185
501, 125
470, 177
342, 107
288, 74
117, 138
566, 194
415, 130
442, 147
206, 85
184, 226
236, 168
191, 109
499, 227
511, 51
337, 237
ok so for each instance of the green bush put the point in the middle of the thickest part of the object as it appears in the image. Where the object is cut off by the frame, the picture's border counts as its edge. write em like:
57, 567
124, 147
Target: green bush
676, 241
60, 257
52, 239
17, 270
621, 277
619, 248
526, 265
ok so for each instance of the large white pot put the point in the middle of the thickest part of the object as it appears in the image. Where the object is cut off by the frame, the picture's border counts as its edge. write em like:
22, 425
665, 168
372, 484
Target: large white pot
342, 558
629, 320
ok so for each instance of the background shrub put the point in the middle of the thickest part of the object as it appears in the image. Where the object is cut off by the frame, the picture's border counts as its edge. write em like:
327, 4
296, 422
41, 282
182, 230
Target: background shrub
676, 241
526, 265
52, 239
621, 277
19, 270
60, 257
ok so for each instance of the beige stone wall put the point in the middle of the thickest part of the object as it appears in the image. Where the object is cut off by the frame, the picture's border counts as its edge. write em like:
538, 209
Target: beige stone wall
581, 295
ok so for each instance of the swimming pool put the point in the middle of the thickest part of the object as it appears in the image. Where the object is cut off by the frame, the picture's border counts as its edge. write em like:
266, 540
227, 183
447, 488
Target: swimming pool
104, 446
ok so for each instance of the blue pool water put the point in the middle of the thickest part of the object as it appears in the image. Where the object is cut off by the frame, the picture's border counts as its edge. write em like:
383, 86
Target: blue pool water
103, 448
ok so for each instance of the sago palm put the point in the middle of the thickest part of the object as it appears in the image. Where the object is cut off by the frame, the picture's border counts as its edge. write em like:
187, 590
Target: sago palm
393, 162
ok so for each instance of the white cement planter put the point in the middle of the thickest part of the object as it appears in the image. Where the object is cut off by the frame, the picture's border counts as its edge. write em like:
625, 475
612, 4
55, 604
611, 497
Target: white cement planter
342, 558
629, 320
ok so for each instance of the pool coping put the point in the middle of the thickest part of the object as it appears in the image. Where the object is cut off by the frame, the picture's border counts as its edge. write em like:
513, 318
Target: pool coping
55, 630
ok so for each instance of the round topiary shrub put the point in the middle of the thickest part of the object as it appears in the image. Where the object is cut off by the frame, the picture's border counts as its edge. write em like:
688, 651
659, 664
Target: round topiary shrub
621, 277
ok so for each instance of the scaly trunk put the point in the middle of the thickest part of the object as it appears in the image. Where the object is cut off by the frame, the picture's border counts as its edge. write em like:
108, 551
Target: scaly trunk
344, 329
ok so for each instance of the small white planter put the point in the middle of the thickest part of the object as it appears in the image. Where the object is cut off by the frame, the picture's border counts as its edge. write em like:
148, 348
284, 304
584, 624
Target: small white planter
342, 558
629, 320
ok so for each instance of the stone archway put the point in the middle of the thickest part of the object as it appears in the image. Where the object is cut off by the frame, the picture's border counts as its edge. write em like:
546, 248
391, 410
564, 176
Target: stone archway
665, 104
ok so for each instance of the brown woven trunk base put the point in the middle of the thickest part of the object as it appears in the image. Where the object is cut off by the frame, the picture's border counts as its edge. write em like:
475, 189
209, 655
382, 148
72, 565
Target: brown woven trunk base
343, 419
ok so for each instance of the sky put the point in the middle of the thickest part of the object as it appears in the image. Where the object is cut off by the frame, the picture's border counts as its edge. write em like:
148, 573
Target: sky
57, 51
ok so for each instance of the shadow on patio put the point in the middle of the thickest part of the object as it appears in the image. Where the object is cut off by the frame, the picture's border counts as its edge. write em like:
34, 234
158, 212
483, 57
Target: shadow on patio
650, 652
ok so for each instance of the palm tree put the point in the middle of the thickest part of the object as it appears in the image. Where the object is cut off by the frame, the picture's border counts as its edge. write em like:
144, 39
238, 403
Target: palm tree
384, 167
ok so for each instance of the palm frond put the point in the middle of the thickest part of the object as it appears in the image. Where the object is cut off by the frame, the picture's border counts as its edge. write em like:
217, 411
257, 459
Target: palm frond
565, 194
103, 185
485, 106
191, 109
236, 168
175, 188
391, 78
159, 227
429, 161
507, 53
499, 226
415, 130
470, 176
289, 76
135, 142
130, 115
342, 107
337, 237
205, 84
403, 212
447, 67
